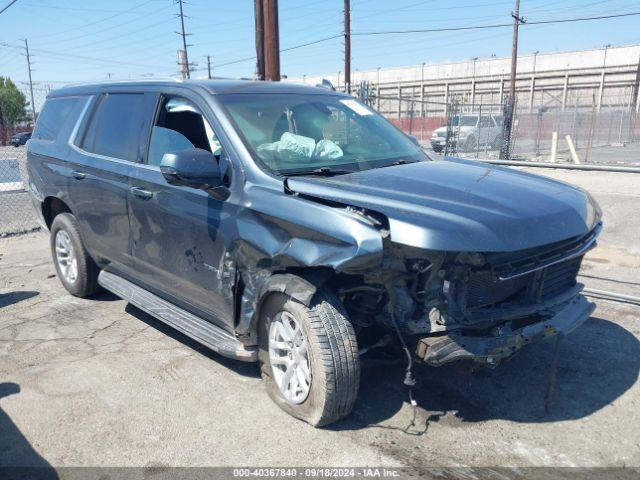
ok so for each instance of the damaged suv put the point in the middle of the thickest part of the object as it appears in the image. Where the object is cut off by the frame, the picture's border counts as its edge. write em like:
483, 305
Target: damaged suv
296, 227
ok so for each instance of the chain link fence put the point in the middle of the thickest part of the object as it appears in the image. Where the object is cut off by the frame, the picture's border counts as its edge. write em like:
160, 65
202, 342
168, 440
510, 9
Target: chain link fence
16, 210
583, 132
578, 132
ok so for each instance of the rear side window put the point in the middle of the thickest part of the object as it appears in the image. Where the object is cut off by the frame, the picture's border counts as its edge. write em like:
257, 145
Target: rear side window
114, 129
55, 113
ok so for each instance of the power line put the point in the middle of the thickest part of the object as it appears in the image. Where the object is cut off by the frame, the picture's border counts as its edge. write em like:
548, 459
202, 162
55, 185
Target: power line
495, 25
93, 34
434, 30
294, 47
83, 57
8, 5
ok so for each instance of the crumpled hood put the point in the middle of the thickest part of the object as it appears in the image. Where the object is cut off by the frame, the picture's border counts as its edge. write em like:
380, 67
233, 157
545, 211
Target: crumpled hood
460, 205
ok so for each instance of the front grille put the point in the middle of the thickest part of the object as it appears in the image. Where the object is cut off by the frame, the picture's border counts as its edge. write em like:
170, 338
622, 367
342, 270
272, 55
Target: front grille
508, 265
483, 288
558, 278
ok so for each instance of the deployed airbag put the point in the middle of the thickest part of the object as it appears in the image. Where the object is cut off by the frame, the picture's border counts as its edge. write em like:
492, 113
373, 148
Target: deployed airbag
297, 148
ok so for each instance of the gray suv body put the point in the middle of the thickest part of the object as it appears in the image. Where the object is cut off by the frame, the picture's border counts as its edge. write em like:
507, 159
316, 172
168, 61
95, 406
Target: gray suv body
296, 227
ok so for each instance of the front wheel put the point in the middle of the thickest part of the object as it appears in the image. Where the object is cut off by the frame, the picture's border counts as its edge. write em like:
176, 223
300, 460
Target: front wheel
309, 357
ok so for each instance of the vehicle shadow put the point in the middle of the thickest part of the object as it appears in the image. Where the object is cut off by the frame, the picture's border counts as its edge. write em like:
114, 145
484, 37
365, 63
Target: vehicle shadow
598, 362
104, 296
242, 368
18, 459
10, 298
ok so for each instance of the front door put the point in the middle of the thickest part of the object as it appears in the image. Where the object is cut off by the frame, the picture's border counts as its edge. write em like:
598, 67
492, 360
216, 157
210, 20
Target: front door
178, 234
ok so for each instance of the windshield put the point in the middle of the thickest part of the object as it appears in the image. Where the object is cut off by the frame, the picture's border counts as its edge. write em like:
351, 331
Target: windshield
464, 121
317, 133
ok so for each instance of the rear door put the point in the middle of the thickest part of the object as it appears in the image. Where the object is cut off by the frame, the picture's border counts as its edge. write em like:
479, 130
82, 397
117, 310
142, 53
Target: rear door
105, 150
179, 234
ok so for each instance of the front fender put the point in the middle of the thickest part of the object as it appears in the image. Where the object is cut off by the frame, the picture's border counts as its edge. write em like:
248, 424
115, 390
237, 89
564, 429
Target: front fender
280, 233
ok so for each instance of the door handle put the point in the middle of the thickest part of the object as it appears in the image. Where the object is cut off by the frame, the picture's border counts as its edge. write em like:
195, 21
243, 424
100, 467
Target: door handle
141, 193
78, 175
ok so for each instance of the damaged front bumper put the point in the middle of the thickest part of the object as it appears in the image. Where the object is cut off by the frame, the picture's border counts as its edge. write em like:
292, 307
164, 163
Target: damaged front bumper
566, 317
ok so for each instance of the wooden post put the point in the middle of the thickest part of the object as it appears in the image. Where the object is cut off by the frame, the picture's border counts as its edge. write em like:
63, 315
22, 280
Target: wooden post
271, 40
347, 46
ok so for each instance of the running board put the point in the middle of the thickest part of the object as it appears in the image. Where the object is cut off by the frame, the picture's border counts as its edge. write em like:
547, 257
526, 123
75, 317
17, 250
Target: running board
200, 330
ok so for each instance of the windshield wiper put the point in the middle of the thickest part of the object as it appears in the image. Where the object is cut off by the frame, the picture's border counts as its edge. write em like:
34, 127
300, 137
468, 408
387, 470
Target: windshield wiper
324, 171
399, 162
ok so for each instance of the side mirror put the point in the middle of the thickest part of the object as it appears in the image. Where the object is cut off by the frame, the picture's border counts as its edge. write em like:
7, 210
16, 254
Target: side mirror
414, 140
195, 168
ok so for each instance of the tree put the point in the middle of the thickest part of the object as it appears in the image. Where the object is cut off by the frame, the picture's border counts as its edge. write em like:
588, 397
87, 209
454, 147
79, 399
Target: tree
12, 103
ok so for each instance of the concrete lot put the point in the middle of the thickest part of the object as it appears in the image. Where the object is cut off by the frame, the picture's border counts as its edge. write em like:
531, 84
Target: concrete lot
98, 382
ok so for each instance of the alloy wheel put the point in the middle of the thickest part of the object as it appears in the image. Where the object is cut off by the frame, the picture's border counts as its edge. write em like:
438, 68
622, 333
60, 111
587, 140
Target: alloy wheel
289, 357
65, 257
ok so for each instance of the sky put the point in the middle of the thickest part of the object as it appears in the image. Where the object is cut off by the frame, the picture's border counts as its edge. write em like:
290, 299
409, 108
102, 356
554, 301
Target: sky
76, 40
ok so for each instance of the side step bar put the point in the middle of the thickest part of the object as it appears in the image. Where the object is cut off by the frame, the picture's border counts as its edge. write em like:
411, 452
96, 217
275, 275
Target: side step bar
200, 330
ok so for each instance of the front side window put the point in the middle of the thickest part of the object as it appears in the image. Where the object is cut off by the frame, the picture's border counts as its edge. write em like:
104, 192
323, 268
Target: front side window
114, 130
299, 133
179, 126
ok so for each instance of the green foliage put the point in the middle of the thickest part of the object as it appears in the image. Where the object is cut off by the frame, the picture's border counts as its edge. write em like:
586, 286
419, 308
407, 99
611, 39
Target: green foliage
12, 103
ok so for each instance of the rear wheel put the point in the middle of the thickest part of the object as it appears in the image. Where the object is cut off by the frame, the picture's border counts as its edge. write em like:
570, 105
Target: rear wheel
76, 270
309, 357
497, 142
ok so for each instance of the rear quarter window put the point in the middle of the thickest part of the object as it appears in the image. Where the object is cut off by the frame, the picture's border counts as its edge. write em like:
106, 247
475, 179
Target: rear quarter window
55, 115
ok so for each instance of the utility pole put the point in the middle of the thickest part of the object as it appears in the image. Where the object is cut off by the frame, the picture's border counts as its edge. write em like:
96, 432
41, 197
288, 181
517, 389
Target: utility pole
259, 14
511, 100
185, 60
271, 40
347, 45
33, 104
209, 67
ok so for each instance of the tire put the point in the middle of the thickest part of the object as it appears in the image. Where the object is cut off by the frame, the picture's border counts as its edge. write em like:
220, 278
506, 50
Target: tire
85, 281
471, 144
332, 357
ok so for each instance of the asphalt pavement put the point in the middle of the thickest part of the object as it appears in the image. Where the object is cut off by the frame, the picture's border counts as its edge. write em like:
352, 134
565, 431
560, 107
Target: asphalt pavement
97, 382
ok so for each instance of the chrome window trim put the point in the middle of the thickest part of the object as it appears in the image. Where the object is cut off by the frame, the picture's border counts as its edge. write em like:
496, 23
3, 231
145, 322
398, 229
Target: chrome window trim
589, 245
74, 135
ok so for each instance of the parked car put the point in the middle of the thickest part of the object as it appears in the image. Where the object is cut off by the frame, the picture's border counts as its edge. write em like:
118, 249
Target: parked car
20, 138
295, 227
468, 132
